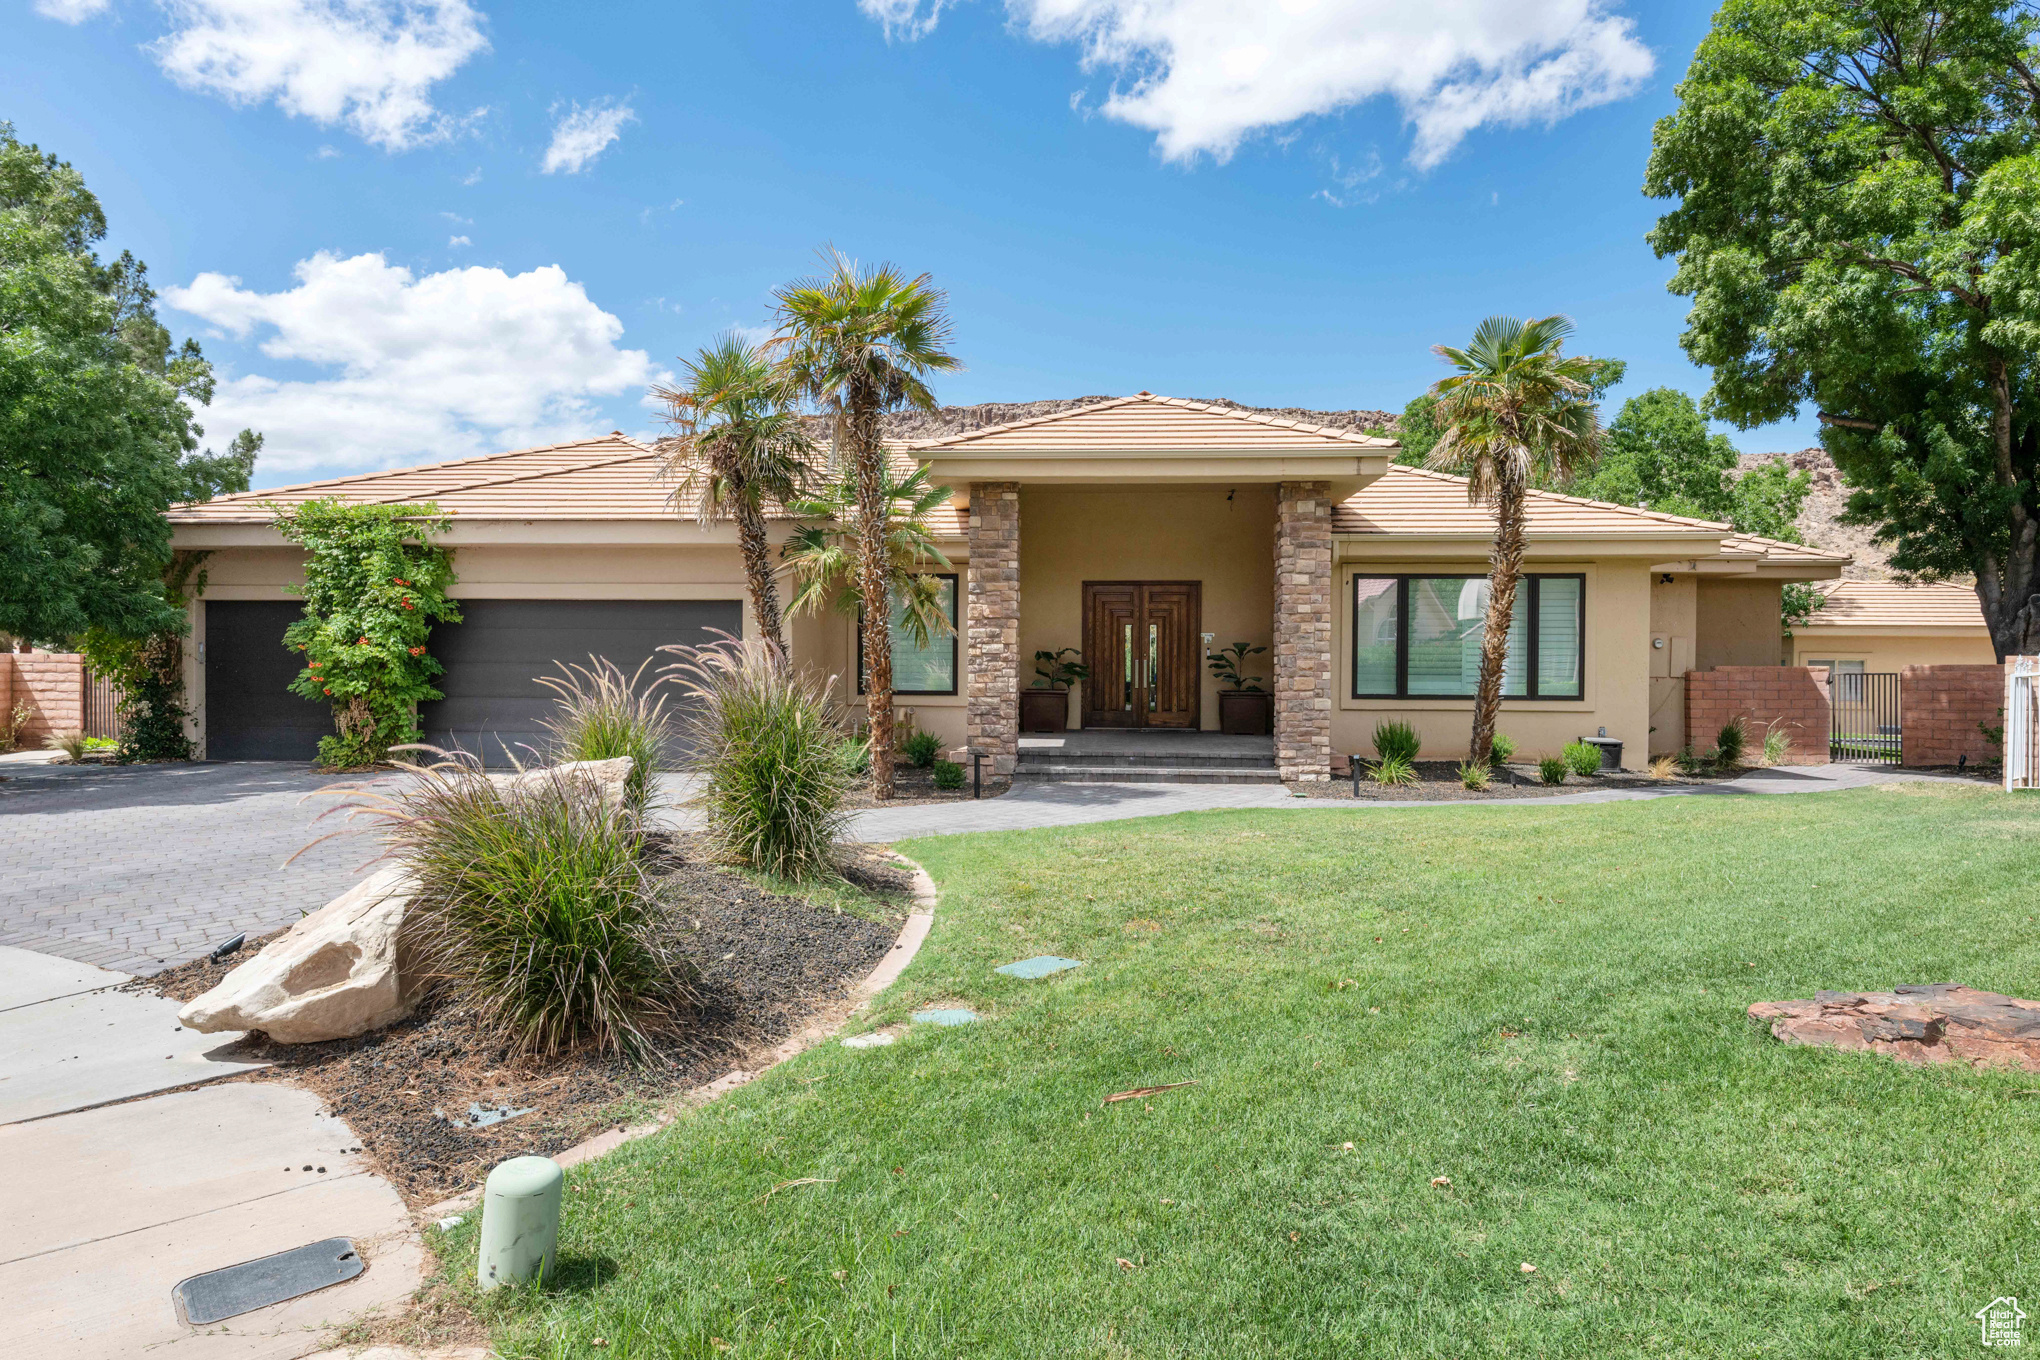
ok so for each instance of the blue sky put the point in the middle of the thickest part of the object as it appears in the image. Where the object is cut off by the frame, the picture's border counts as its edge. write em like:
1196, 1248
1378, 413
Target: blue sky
463, 226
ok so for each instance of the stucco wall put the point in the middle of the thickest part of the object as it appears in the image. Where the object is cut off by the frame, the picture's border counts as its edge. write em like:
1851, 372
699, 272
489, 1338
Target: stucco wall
1069, 536
1674, 627
1738, 623
1892, 651
1615, 689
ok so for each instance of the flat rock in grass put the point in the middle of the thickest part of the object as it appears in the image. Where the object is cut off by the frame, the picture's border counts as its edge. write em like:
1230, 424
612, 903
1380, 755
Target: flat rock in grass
1937, 1023
875, 1039
954, 1015
1040, 966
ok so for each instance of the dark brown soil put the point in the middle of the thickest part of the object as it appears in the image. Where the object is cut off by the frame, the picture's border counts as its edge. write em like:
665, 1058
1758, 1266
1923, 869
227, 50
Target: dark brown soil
766, 962
912, 787
1438, 782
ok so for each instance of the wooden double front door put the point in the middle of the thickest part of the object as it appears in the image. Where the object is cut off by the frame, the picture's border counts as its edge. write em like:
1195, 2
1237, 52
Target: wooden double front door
1141, 643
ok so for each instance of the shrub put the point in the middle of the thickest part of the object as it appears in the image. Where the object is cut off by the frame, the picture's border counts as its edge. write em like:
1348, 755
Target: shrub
948, 775
533, 910
1664, 767
374, 585
1583, 758
1689, 761
604, 714
1500, 750
71, 743
921, 748
855, 757
1393, 770
1731, 744
12, 721
1777, 745
1551, 770
1474, 776
1395, 739
759, 729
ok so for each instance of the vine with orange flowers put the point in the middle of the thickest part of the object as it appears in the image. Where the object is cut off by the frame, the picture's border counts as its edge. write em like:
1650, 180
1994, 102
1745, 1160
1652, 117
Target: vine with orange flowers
375, 584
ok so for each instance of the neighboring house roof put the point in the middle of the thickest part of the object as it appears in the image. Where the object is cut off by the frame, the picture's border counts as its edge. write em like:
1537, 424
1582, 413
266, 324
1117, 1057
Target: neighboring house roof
1145, 421
1897, 607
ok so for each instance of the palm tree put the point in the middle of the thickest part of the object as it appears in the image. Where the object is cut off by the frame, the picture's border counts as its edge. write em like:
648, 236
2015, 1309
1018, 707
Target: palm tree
1517, 412
741, 442
861, 342
824, 554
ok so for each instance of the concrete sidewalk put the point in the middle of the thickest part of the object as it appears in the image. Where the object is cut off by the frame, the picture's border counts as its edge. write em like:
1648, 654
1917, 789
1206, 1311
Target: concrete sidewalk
1033, 806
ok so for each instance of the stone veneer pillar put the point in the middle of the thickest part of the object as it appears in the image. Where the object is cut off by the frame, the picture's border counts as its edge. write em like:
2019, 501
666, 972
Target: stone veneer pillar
1303, 631
992, 630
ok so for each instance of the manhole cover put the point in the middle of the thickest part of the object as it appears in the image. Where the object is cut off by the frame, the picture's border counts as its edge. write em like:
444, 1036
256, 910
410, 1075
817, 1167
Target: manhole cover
220, 1294
1039, 966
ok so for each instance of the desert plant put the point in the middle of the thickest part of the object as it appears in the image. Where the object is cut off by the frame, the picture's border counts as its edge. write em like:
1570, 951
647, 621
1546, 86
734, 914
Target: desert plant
1397, 740
1731, 744
533, 908
855, 757
948, 775
759, 730
1229, 665
1777, 744
1664, 767
1689, 761
1475, 776
603, 714
921, 748
1552, 770
71, 743
1500, 750
1583, 758
1053, 671
1393, 769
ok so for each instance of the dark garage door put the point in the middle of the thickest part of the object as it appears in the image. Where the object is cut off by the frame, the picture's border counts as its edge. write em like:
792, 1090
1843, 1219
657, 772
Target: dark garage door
494, 656
250, 713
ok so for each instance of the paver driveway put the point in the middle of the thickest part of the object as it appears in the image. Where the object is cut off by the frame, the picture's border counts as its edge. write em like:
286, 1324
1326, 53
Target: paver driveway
142, 867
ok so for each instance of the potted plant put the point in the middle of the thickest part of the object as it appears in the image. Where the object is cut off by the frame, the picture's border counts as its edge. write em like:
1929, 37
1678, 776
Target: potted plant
1045, 705
1244, 708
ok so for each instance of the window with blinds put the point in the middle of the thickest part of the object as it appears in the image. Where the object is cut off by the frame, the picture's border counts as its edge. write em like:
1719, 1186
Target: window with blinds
1421, 637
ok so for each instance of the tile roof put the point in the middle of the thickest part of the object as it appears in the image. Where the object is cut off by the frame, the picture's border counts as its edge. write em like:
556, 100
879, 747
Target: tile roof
1145, 421
1409, 500
1897, 605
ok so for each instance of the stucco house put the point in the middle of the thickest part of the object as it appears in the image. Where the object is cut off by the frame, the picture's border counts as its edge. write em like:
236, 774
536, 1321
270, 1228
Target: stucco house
1885, 626
1146, 531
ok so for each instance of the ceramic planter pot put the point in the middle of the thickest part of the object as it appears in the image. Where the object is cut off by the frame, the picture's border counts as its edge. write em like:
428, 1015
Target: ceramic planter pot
1246, 713
1044, 710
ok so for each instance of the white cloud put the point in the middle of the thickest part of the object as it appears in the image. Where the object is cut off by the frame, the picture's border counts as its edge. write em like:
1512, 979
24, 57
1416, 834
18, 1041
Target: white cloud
472, 177
582, 135
72, 11
452, 364
458, 241
1205, 75
370, 64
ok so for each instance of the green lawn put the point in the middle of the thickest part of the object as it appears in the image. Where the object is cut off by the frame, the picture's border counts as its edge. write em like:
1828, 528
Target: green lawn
1543, 1004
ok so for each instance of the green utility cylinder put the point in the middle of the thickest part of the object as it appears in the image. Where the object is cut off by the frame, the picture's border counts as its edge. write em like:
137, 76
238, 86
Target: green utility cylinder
520, 1221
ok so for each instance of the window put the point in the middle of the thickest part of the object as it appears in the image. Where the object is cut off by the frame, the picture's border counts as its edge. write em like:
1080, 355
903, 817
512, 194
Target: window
1845, 679
916, 669
1420, 637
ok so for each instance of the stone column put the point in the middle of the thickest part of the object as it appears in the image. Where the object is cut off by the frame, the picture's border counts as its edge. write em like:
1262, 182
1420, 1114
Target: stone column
1303, 631
991, 659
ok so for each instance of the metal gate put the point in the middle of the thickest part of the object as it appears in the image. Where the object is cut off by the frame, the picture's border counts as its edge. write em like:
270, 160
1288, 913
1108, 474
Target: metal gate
2022, 718
1864, 724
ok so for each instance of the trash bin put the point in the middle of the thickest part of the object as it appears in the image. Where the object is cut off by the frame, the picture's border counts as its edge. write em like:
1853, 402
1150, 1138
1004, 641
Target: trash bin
1611, 751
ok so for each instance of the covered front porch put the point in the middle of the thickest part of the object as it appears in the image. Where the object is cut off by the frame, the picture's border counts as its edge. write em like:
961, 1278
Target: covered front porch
1148, 533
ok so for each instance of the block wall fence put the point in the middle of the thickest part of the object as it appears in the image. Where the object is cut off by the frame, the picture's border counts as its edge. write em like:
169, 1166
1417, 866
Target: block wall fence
51, 685
1793, 697
1943, 709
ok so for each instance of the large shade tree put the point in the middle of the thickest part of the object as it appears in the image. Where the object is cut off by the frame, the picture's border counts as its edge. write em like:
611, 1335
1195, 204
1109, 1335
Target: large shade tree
1858, 225
1519, 412
860, 342
742, 442
96, 430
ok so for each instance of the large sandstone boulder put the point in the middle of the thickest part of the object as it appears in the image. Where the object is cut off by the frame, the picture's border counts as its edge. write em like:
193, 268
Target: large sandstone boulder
334, 975
609, 778
1940, 1022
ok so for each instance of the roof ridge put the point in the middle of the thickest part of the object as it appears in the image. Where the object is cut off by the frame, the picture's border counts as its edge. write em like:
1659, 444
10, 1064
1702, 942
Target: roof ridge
1242, 413
1260, 418
256, 496
543, 473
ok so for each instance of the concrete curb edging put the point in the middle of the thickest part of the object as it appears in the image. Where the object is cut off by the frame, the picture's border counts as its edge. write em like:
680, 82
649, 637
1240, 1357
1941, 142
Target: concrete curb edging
823, 1027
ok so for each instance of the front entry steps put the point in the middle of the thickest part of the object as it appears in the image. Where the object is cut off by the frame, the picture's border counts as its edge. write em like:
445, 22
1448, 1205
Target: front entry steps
1096, 757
